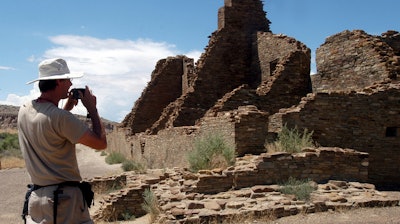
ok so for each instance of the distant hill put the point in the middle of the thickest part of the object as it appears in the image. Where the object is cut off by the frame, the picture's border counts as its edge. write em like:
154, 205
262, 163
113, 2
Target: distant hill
9, 115
8, 109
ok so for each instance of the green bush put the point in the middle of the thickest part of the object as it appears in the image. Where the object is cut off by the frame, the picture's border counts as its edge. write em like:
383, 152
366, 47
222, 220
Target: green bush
150, 204
210, 152
103, 153
9, 145
302, 189
8, 141
130, 165
128, 216
291, 140
115, 158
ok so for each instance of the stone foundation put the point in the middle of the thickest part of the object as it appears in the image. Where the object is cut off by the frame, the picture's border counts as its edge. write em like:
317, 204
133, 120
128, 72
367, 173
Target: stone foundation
184, 195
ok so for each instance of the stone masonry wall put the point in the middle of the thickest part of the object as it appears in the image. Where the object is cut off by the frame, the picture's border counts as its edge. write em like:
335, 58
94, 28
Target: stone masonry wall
225, 65
127, 201
273, 47
367, 121
319, 165
244, 129
169, 148
285, 77
392, 38
354, 60
165, 86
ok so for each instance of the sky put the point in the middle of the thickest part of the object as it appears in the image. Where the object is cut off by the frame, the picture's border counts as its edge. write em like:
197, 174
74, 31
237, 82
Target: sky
118, 43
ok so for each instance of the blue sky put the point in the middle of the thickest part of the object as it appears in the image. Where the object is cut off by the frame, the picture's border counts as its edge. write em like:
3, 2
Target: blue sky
117, 43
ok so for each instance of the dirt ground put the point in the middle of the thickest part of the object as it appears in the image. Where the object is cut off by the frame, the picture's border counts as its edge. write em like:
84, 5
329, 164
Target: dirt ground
14, 181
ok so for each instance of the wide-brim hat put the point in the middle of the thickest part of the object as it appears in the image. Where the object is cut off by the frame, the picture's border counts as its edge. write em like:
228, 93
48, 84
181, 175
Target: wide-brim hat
55, 68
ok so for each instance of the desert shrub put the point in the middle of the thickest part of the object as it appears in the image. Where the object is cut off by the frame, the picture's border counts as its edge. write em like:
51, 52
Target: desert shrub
150, 204
211, 151
103, 153
130, 165
8, 142
291, 140
302, 189
128, 216
115, 158
9, 146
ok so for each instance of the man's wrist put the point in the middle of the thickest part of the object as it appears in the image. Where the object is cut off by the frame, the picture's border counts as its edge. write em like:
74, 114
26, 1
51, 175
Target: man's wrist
93, 111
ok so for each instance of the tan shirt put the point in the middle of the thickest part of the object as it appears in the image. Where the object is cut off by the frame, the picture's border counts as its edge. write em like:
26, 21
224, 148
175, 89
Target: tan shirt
47, 137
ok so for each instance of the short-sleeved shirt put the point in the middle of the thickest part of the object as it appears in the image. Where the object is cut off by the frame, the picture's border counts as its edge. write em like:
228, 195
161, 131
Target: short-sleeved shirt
47, 137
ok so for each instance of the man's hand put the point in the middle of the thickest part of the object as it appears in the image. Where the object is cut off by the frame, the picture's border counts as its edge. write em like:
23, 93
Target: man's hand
89, 100
71, 102
95, 138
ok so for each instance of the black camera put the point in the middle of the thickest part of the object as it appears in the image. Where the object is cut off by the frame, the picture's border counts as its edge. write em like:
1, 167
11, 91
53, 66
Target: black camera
75, 93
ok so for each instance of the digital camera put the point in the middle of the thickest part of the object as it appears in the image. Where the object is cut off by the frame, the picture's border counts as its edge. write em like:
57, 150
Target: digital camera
75, 93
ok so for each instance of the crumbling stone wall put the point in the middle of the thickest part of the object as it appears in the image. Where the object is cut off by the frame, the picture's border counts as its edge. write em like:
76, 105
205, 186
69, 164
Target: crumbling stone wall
169, 148
319, 165
273, 50
367, 121
105, 184
352, 60
285, 77
165, 86
125, 202
225, 65
251, 182
245, 128
392, 38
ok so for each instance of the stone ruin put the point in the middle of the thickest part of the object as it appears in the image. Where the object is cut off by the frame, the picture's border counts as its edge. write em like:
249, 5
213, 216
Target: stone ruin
250, 82
247, 85
245, 191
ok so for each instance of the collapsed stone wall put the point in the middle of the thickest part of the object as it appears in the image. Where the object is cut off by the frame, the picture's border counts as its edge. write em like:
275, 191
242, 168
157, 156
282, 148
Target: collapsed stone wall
392, 38
367, 121
352, 60
319, 165
245, 129
285, 77
225, 65
165, 86
169, 148
179, 191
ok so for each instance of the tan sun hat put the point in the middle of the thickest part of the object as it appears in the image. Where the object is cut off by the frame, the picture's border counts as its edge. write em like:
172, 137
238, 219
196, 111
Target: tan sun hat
55, 68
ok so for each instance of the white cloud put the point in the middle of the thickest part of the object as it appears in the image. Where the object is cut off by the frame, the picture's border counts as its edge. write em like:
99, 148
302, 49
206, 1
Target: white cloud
6, 68
15, 100
115, 70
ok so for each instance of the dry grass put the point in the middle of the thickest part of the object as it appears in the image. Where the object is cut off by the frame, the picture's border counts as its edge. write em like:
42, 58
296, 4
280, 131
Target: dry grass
12, 162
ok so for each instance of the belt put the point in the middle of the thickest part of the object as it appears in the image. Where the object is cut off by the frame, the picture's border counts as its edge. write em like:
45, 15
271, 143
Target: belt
62, 184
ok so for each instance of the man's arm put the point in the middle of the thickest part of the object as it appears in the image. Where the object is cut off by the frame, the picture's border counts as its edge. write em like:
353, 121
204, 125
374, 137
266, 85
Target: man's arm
95, 138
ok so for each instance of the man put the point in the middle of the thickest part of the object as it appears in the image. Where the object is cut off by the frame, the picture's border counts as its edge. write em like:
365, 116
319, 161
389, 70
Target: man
47, 137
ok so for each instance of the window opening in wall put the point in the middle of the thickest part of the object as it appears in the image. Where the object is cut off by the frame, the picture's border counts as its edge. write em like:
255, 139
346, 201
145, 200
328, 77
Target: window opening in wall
142, 145
272, 66
391, 132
